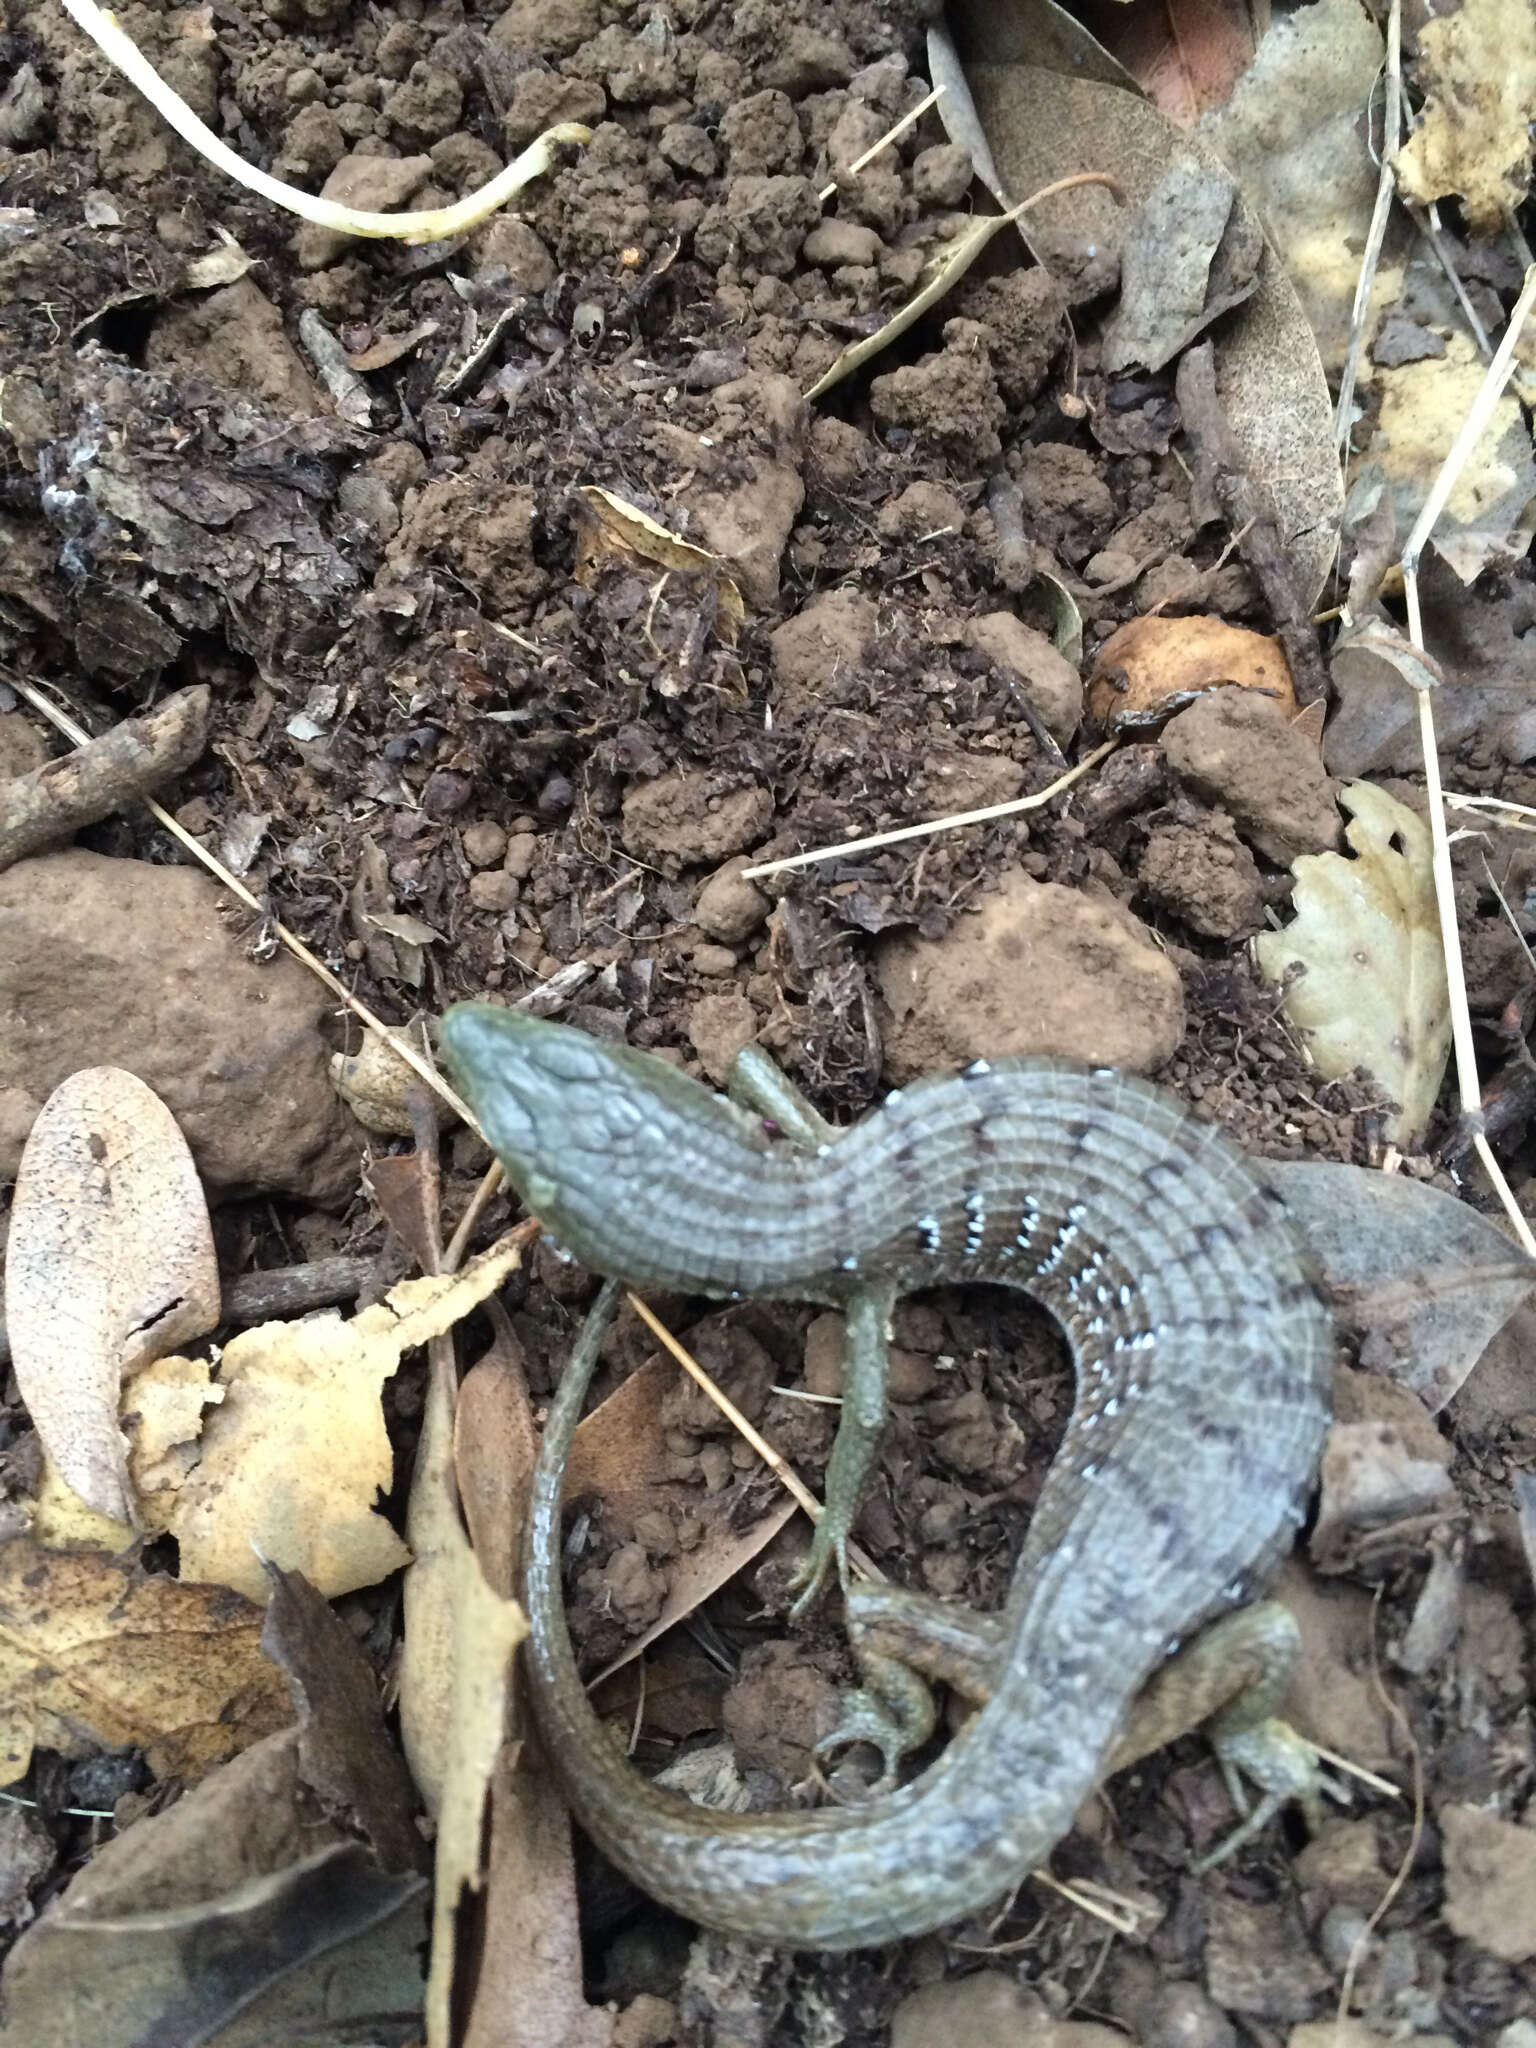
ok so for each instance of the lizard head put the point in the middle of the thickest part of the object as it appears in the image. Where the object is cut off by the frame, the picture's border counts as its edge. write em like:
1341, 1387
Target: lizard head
577, 1122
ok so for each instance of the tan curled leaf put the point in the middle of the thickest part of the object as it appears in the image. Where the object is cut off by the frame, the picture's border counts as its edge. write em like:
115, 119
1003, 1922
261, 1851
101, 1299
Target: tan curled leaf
1053, 105
1366, 934
1425, 1281
295, 1458
96, 1654
110, 1266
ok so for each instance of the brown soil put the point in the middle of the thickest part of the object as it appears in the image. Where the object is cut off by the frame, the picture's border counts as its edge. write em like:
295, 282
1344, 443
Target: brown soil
469, 746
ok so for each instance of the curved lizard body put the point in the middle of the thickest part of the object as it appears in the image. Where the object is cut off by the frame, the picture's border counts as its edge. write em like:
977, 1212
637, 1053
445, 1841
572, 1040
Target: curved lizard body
1202, 1356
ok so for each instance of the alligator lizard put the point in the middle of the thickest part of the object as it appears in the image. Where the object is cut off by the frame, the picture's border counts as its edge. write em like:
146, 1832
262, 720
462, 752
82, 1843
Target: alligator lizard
1202, 1356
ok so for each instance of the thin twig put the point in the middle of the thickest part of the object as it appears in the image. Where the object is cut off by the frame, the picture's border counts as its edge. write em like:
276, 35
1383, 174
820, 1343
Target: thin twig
1478, 416
981, 817
782, 1471
1391, 136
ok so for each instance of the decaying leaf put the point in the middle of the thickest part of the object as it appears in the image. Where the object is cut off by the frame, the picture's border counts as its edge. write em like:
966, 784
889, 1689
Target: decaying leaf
1054, 103
1491, 512
1366, 933
110, 1265
161, 1412
1151, 667
277, 1901
526, 1985
1190, 255
96, 1653
611, 525
1377, 672
374, 1080
1477, 70
1290, 132
296, 1456
620, 1452
1425, 1279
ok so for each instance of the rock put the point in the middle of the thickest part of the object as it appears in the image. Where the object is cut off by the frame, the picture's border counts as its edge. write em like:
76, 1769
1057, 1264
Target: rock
718, 1027
1237, 748
1046, 679
834, 243
1037, 969
511, 245
748, 524
485, 843
949, 401
920, 511
554, 28
119, 963
494, 889
22, 746
941, 176
684, 817
1196, 867
729, 908
992, 2008
1490, 1881
373, 184
988, 2007
233, 336
835, 630
1258, 1959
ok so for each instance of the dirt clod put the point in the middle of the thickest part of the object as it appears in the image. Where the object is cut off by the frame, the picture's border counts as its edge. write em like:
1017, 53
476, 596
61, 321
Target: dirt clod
1039, 969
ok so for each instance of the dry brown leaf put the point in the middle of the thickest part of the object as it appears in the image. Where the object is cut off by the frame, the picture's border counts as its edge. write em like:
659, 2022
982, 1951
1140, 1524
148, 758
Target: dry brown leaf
1167, 662
1477, 70
97, 1654
251, 1895
296, 1456
620, 1452
526, 1988
1040, 86
609, 525
1367, 934
1187, 54
110, 1265
1491, 512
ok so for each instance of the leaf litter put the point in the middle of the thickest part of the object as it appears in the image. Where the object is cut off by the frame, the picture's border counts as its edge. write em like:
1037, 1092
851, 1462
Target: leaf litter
109, 1266
1416, 1315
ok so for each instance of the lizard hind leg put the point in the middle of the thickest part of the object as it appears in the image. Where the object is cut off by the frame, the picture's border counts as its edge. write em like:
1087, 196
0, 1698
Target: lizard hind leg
1229, 1681
900, 1640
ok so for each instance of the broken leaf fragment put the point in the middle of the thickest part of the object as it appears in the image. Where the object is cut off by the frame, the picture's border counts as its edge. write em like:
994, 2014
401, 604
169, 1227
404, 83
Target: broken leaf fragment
1477, 71
610, 526
296, 1456
96, 1653
110, 1266
1371, 988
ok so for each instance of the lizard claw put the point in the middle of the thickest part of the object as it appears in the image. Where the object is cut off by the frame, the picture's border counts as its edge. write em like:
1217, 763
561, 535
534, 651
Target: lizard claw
828, 1544
1284, 1767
